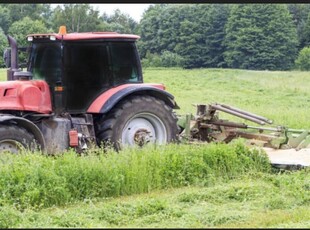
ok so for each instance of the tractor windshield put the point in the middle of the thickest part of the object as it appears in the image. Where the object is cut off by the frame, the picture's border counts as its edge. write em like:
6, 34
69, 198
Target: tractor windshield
45, 62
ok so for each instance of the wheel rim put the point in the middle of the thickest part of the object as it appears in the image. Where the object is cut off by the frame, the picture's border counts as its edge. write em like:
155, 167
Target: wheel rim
12, 146
142, 129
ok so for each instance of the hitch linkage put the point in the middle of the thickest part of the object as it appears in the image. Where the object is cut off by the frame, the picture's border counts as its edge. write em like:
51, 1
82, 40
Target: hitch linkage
206, 126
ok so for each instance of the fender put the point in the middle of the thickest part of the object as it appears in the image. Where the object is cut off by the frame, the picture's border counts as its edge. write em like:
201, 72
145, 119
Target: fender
111, 97
28, 125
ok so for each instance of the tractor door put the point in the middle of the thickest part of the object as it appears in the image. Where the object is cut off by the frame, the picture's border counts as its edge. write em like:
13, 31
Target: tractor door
93, 67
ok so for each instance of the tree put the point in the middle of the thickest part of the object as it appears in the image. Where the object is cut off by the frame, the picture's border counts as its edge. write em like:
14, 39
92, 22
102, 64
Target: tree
33, 11
77, 18
3, 45
202, 34
215, 35
5, 19
120, 22
300, 14
20, 29
192, 45
193, 31
260, 36
306, 32
150, 30
303, 60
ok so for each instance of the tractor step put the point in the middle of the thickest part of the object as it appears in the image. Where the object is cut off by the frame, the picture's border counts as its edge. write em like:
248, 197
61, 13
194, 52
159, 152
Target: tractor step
289, 158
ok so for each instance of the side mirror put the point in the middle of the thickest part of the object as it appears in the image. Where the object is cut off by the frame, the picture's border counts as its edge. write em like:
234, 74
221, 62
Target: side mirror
7, 57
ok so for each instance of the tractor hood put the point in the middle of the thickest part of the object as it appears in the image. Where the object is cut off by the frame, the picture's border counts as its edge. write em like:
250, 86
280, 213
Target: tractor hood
25, 95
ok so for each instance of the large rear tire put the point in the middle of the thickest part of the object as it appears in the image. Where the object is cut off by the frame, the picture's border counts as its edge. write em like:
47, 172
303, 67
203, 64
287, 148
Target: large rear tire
137, 121
15, 139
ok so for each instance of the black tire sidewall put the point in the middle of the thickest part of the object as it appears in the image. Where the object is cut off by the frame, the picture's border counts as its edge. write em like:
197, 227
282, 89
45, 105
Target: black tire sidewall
18, 134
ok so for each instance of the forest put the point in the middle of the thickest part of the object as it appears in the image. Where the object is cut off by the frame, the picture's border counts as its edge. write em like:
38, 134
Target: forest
238, 36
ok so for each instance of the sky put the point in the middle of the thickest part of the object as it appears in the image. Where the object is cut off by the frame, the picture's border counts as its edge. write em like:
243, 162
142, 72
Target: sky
134, 10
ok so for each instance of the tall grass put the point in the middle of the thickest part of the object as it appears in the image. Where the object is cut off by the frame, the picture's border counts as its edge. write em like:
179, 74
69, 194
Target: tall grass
35, 180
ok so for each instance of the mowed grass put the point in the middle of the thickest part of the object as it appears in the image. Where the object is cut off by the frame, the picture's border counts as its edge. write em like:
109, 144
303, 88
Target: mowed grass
171, 186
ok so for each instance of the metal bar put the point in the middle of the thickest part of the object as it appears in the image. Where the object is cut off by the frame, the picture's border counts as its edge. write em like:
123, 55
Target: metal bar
247, 113
296, 130
229, 124
266, 128
219, 107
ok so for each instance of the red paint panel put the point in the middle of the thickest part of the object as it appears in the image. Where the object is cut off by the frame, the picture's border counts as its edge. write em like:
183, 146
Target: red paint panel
102, 99
25, 96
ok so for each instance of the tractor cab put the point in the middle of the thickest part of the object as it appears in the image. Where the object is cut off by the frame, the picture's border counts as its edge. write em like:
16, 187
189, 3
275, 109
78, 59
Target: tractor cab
78, 67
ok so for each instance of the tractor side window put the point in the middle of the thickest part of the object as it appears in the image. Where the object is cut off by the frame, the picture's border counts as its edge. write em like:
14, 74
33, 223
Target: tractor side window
46, 62
124, 63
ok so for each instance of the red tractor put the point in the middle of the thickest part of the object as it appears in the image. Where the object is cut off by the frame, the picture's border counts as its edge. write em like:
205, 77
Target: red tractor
81, 89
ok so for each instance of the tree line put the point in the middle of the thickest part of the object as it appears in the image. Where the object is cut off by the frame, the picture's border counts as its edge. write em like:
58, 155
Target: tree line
245, 36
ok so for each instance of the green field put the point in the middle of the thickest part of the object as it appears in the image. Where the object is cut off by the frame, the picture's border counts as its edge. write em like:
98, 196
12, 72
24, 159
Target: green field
174, 186
281, 96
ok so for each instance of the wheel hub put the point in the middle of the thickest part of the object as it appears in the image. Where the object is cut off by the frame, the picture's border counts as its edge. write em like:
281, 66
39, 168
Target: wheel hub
142, 137
10, 146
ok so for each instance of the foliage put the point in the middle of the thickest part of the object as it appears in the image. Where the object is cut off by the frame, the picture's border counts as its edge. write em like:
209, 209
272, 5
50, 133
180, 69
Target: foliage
16, 12
5, 19
169, 59
256, 36
121, 23
215, 35
20, 29
260, 36
149, 30
306, 32
151, 60
76, 17
303, 60
35, 180
3, 45
300, 14
166, 59
193, 31
192, 45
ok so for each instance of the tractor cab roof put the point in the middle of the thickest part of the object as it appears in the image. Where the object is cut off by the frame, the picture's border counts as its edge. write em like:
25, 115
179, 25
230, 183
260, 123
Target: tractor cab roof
63, 35
82, 36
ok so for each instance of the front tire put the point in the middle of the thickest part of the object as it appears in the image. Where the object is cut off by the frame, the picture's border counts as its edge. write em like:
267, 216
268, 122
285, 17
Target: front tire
138, 121
15, 139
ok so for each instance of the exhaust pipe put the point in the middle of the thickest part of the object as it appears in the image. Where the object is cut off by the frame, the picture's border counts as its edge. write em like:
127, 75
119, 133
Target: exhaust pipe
14, 58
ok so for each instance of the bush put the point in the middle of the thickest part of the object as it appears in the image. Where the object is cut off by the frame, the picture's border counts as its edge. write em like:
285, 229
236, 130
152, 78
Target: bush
303, 60
166, 59
169, 59
151, 60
